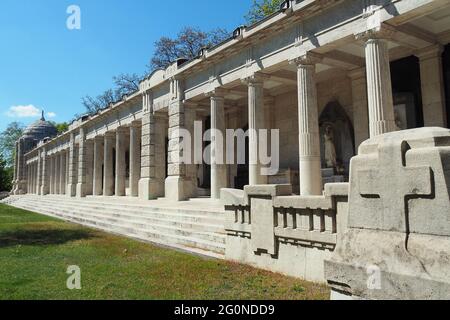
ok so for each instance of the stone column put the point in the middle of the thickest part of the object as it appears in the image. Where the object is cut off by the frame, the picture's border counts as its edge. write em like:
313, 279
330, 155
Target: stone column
62, 173
135, 158
89, 160
178, 186
39, 173
108, 175
67, 170
308, 124
360, 106
51, 173
218, 136
432, 80
73, 163
256, 122
20, 170
82, 165
16, 163
29, 182
98, 166
121, 142
57, 172
379, 86
45, 173
151, 183
33, 176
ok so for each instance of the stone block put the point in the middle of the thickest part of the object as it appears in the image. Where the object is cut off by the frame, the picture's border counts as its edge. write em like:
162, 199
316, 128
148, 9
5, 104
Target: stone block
397, 241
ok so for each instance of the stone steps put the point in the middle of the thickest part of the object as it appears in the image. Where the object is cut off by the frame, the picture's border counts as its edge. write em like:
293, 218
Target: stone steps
180, 228
130, 222
198, 223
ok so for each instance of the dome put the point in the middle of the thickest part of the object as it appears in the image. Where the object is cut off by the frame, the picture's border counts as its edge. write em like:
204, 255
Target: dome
40, 130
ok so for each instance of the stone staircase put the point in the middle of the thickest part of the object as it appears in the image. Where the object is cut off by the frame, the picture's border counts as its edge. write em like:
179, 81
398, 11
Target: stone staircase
199, 231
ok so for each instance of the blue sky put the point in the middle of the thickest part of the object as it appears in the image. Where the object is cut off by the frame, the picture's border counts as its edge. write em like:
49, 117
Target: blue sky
45, 65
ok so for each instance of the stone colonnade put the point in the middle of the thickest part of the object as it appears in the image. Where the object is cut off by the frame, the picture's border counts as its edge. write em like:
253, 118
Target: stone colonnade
134, 161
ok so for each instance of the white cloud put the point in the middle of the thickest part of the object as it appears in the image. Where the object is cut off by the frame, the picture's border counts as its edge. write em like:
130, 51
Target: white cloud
28, 111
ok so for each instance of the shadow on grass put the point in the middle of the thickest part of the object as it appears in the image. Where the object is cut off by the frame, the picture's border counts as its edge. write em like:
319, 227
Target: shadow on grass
42, 237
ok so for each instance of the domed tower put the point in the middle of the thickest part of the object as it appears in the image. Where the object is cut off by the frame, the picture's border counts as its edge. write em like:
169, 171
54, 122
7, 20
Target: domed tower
32, 135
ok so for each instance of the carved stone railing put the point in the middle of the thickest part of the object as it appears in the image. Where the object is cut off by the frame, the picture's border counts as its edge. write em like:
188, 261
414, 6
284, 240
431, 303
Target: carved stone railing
268, 217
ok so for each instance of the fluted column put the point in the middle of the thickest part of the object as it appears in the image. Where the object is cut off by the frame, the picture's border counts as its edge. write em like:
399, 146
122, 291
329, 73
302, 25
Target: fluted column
38, 182
44, 187
108, 176
51, 173
308, 124
218, 159
256, 122
20, 170
432, 82
379, 86
62, 173
57, 172
121, 142
98, 166
135, 158
73, 163
82, 165
16, 152
360, 106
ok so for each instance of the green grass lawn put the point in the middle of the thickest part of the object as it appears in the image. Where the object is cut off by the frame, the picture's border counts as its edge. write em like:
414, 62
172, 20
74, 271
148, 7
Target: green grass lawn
35, 252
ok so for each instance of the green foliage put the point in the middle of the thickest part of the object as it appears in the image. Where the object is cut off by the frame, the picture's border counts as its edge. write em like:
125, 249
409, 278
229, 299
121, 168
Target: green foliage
261, 9
8, 140
6, 176
61, 127
186, 45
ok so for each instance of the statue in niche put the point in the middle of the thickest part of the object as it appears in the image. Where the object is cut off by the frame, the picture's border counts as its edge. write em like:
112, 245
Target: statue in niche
330, 149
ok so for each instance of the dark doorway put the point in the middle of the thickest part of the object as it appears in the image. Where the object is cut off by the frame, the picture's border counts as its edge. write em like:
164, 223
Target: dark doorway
407, 93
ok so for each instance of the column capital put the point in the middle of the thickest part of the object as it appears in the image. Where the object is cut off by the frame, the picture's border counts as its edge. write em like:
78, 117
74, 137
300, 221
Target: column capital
121, 130
432, 51
136, 124
109, 135
216, 93
381, 32
307, 59
255, 79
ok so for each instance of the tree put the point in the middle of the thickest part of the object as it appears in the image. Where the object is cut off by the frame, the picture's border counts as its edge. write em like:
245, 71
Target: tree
261, 9
61, 127
6, 176
8, 140
124, 84
186, 45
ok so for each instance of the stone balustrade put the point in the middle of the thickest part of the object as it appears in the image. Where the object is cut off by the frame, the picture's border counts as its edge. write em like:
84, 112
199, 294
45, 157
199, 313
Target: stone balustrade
269, 227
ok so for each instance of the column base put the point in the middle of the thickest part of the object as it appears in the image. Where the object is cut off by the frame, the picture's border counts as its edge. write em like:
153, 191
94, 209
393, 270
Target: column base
43, 191
151, 189
310, 176
179, 188
71, 190
81, 190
